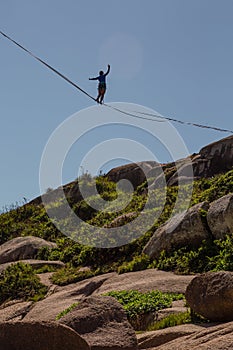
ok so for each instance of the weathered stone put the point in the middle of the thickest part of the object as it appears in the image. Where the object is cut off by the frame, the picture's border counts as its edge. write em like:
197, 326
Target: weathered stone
144, 281
218, 337
46, 279
102, 322
14, 310
22, 248
219, 155
183, 174
152, 339
185, 229
213, 159
177, 307
180, 180
136, 173
63, 297
155, 171
211, 295
200, 167
122, 219
39, 336
220, 216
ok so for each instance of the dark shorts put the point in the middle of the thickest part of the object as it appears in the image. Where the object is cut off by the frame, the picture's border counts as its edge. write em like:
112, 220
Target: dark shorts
102, 87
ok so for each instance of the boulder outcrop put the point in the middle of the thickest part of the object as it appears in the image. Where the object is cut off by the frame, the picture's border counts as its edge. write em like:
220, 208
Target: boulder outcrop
211, 295
185, 229
38, 336
122, 219
63, 297
213, 159
218, 337
136, 173
14, 310
220, 217
144, 281
21, 248
102, 322
152, 339
49, 308
219, 156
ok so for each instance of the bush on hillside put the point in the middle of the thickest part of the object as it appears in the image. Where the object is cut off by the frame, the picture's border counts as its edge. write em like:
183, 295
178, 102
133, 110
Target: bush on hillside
138, 263
19, 281
137, 304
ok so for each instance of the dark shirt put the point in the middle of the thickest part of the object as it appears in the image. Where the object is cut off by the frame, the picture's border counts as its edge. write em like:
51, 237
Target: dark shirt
102, 78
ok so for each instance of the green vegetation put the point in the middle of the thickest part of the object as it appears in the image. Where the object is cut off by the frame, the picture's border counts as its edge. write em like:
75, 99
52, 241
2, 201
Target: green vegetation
177, 319
66, 311
25, 220
30, 219
140, 305
138, 263
136, 303
71, 275
214, 188
45, 268
19, 281
214, 255
171, 321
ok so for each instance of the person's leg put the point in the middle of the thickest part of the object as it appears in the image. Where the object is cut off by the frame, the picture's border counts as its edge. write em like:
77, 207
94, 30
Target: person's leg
101, 98
102, 95
98, 97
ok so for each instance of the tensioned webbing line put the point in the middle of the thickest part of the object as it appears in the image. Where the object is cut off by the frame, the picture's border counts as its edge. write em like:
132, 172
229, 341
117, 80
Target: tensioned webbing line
145, 116
47, 65
187, 123
70, 81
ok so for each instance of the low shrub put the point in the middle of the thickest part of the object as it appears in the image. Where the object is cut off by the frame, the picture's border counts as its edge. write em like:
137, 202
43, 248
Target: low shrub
223, 259
171, 321
19, 281
187, 261
136, 303
139, 262
210, 256
46, 268
71, 274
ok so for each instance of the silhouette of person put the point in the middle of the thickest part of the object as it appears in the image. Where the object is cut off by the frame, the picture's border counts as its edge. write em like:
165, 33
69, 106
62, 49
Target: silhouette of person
102, 85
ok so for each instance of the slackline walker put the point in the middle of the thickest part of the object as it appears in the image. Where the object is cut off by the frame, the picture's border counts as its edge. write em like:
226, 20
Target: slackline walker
102, 85
146, 116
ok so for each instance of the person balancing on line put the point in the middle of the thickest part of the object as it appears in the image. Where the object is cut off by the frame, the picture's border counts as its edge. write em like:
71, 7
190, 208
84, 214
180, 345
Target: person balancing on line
102, 85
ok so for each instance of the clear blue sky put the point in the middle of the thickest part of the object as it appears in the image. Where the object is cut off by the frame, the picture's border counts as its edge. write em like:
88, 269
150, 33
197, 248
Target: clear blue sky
174, 56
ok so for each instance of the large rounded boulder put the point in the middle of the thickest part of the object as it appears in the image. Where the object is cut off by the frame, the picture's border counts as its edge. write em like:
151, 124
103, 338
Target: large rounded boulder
220, 216
185, 229
102, 322
39, 336
21, 248
211, 295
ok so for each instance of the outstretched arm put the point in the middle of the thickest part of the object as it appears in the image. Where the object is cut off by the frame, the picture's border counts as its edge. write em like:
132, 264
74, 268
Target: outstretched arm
93, 78
107, 70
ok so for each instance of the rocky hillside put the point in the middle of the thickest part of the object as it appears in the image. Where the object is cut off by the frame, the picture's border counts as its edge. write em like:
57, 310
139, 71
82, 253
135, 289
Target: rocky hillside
56, 292
213, 159
198, 229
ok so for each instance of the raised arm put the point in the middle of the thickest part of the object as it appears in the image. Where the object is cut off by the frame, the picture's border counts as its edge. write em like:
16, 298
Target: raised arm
107, 70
